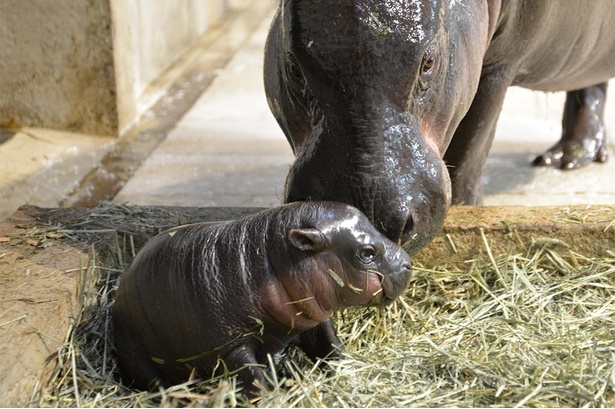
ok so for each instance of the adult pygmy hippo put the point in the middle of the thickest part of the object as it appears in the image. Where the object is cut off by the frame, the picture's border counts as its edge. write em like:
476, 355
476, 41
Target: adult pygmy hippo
386, 102
235, 292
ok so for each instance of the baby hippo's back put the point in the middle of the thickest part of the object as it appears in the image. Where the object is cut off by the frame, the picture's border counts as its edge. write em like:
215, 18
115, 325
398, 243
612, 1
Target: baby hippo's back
185, 299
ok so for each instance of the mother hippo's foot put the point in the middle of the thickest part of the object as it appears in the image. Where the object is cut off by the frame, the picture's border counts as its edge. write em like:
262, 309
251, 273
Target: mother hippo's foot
583, 133
321, 342
576, 152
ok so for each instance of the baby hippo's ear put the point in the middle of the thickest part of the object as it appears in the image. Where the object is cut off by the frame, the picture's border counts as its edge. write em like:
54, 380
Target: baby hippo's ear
308, 239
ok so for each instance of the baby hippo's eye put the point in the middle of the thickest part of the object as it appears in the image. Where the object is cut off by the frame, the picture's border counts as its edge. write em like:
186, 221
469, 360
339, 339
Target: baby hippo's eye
367, 254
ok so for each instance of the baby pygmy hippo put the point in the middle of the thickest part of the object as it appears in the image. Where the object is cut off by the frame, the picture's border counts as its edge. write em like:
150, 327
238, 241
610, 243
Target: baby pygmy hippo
236, 291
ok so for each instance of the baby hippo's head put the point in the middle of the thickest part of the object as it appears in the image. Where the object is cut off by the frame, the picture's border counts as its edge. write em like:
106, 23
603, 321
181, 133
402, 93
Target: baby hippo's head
359, 264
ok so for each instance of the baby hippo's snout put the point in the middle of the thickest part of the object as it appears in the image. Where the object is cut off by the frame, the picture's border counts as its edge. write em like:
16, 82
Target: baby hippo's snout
399, 272
380, 270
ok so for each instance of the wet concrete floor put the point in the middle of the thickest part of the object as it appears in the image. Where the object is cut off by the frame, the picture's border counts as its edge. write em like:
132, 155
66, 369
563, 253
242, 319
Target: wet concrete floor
227, 150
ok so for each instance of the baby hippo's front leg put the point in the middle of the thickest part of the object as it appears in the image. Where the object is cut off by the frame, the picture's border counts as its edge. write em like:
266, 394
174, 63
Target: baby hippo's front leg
250, 372
321, 342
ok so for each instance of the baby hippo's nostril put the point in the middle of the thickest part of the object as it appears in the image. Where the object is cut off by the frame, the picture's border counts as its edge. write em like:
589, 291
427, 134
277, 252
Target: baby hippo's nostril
403, 262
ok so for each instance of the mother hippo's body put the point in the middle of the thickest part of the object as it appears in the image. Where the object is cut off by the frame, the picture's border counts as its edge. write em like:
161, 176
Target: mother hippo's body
386, 102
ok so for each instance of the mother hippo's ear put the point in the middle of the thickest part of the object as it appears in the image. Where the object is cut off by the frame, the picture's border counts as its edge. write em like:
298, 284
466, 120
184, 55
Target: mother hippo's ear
307, 239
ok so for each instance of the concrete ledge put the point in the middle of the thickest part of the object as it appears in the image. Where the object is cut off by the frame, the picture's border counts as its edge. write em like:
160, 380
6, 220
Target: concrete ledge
44, 272
39, 300
586, 230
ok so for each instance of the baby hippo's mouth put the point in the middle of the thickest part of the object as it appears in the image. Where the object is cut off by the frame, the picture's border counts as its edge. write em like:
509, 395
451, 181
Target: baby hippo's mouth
388, 287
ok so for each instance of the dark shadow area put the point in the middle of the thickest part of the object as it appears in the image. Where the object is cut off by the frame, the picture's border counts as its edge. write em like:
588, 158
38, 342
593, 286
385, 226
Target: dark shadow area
504, 172
5, 135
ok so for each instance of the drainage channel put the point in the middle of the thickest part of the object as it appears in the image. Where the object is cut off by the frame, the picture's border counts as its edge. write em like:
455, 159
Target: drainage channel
199, 67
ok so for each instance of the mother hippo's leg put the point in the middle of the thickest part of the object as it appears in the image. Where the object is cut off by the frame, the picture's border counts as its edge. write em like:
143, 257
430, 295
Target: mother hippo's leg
466, 154
320, 342
583, 133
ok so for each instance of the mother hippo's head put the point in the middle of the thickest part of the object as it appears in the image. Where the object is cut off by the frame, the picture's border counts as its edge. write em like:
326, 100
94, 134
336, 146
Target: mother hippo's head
369, 93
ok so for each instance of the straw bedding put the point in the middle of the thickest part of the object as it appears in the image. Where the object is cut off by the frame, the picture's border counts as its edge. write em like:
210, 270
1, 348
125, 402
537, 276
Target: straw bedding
534, 330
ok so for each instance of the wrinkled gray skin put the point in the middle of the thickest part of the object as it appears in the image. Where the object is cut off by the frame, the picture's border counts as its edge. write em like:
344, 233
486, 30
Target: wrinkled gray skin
386, 102
234, 292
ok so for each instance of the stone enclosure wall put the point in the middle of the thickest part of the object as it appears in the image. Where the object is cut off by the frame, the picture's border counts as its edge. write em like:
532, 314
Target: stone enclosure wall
85, 65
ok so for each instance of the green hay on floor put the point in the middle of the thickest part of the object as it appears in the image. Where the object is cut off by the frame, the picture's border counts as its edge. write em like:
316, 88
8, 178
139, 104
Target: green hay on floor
532, 330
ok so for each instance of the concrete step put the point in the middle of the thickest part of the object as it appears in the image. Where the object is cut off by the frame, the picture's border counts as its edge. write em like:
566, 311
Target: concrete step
43, 167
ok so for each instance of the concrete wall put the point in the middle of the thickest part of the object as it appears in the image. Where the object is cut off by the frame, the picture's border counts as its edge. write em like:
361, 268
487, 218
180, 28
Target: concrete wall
148, 36
56, 65
86, 65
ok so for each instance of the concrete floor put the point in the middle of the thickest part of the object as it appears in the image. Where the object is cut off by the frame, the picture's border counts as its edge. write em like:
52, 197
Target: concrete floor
43, 166
227, 150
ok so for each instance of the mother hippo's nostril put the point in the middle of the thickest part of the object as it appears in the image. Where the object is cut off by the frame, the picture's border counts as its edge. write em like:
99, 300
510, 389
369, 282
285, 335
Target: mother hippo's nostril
408, 230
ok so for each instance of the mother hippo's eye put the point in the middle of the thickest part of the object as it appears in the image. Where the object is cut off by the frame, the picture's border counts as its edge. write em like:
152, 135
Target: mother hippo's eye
367, 254
294, 72
428, 64
429, 67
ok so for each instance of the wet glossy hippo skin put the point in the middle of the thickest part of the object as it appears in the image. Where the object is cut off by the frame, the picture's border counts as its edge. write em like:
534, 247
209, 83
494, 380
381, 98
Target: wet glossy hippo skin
386, 103
240, 290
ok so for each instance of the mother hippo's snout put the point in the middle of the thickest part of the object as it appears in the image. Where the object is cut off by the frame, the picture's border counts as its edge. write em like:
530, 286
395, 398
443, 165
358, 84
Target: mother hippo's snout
391, 174
395, 219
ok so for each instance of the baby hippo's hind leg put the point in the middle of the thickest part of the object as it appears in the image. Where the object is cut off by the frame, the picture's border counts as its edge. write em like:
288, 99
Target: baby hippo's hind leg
137, 369
583, 132
321, 342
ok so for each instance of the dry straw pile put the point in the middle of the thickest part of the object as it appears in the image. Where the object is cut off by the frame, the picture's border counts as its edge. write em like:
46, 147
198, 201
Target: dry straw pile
534, 330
